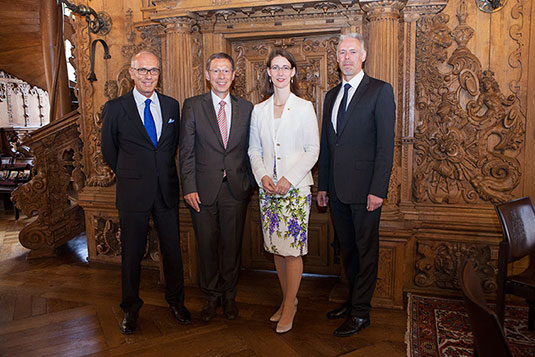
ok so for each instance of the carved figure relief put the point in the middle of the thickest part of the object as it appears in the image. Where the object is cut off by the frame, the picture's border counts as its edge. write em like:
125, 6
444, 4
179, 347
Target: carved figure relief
438, 264
469, 133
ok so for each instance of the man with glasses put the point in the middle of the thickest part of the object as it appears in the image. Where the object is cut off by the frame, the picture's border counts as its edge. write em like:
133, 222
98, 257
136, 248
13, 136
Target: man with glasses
139, 143
216, 181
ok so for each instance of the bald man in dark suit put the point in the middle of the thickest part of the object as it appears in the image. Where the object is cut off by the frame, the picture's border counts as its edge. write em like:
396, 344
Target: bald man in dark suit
139, 143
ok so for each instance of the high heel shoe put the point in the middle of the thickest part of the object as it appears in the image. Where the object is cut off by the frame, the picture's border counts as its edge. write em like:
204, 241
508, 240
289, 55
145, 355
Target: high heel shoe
285, 328
277, 315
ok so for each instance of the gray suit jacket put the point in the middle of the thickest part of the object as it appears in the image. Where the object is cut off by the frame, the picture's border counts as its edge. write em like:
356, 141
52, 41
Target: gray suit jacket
203, 157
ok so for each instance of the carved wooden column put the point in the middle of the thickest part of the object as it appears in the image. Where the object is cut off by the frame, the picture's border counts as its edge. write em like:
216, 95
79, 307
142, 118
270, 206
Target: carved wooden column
54, 58
177, 58
383, 43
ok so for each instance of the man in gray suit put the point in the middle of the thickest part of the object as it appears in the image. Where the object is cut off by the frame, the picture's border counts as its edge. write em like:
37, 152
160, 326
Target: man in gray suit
216, 182
357, 146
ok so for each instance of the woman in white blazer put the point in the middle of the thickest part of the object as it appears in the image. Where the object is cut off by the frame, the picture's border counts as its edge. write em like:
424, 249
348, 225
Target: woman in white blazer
283, 148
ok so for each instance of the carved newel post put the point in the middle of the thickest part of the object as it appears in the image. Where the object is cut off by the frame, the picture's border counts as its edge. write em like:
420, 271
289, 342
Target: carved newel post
177, 58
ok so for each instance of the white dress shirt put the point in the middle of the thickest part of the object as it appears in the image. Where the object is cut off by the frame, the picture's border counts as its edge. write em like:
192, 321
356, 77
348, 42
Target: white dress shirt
228, 108
155, 109
354, 82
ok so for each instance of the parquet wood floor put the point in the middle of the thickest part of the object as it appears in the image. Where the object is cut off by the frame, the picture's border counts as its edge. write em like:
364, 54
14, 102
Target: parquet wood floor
63, 306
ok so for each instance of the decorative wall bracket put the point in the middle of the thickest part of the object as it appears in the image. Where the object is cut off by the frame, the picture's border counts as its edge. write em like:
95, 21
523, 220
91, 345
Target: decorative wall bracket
99, 23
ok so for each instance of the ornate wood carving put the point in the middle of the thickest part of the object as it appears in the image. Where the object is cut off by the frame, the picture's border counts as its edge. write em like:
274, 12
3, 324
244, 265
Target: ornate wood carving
469, 134
107, 236
108, 240
312, 54
47, 194
438, 264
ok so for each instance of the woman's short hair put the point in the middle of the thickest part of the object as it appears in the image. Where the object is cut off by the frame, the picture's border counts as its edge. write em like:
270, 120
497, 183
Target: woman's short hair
268, 84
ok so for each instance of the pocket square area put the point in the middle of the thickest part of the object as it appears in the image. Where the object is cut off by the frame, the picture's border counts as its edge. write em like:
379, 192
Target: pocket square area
171, 120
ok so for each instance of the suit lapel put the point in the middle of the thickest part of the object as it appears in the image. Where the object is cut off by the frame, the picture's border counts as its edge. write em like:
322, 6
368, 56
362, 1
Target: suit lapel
354, 100
329, 107
211, 116
233, 123
133, 114
165, 115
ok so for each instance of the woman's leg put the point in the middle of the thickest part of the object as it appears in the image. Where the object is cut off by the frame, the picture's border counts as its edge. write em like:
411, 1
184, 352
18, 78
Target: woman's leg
280, 266
294, 271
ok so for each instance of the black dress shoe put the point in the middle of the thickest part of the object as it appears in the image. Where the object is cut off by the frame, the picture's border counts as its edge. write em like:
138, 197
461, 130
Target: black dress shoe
181, 314
351, 326
340, 312
230, 310
209, 309
128, 326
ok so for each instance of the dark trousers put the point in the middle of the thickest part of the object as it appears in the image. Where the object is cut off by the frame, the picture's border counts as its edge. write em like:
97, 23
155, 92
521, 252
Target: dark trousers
134, 229
220, 225
358, 233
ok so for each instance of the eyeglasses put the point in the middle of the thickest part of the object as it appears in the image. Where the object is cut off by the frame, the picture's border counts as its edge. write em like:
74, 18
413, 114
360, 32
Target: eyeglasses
218, 71
143, 71
276, 68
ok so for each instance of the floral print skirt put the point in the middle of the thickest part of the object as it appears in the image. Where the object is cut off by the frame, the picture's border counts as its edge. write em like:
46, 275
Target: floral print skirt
285, 222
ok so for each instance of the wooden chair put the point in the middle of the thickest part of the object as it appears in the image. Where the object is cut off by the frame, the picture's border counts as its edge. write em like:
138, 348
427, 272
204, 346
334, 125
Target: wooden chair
489, 338
517, 218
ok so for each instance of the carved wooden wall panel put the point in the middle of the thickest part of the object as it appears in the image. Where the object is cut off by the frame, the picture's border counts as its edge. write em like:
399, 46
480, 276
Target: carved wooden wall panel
468, 133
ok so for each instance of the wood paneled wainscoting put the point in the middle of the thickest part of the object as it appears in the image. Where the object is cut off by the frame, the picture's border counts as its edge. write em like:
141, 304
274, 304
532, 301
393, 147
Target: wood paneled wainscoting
462, 135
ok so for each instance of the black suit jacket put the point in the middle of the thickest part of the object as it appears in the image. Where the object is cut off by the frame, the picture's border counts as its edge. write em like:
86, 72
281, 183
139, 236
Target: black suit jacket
138, 165
203, 157
358, 160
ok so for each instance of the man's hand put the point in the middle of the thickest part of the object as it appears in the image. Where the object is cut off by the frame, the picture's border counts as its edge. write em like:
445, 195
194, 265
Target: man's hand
374, 202
193, 200
322, 198
268, 185
283, 186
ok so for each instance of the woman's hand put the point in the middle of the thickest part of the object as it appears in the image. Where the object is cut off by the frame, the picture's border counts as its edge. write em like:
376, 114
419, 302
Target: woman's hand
268, 185
283, 186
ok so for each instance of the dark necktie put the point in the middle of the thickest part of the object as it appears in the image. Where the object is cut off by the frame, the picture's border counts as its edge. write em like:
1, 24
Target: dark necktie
342, 109
148, 121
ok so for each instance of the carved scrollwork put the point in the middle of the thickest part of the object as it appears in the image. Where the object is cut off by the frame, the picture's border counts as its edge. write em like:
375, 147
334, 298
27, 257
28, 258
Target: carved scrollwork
312, 53
108, 239
465, 153
438, 264
107, 236
56, 165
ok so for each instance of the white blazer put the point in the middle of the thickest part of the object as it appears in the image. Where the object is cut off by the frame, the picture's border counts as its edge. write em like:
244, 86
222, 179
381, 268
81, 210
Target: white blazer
295, 147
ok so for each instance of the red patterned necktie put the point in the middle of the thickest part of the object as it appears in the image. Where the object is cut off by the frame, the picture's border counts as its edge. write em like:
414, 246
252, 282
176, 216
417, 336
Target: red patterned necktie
222, 121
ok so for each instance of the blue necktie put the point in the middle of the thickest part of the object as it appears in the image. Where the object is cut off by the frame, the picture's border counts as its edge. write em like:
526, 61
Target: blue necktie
342, 109
148, 120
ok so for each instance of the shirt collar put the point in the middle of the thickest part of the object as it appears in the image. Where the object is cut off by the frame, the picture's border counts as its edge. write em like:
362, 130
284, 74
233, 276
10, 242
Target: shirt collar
140, 98
355, 81
216, 99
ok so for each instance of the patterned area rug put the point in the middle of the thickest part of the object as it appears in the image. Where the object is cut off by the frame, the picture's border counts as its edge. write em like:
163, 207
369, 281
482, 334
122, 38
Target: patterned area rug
440, 327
